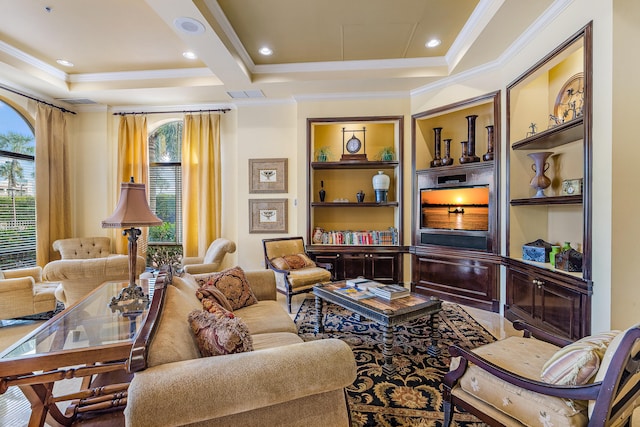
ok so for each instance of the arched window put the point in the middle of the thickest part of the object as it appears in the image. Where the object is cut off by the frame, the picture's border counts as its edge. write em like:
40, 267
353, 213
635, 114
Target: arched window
17, 190
165, 182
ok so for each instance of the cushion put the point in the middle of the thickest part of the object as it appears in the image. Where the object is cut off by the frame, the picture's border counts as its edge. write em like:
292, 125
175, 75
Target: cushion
292, 262
232, 283
219, 332
210, 295
577, 363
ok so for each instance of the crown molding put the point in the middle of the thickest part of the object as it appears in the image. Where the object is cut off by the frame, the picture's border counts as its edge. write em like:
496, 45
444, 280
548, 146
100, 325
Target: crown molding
34, 62
178, 73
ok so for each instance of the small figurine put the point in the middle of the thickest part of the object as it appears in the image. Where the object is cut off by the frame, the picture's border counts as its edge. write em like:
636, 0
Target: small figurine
532, 126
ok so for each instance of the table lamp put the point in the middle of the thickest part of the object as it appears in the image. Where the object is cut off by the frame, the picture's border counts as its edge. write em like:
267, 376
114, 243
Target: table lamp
132, 211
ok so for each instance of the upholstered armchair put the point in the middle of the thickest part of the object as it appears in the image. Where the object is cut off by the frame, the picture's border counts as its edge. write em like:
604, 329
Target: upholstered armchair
86, 264
295, 272
212, 259
23, 293
547, 381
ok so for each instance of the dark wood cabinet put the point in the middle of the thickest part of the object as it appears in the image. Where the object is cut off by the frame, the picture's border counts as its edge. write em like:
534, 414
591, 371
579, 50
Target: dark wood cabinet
549, 301
464, 278
381, 265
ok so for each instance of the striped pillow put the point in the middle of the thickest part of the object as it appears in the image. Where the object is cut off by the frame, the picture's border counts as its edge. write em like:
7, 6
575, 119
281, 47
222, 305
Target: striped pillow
577, 363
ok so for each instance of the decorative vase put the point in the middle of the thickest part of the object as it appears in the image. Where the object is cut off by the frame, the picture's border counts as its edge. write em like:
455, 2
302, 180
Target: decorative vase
381, 186
465, 158
489, 154
447, 160
540, 166
322, 193
552, 255
471, 139
322, 157
360, 196
437, 161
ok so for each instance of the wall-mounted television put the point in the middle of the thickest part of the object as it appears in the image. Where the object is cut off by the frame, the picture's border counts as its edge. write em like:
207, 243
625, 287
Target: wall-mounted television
459, 208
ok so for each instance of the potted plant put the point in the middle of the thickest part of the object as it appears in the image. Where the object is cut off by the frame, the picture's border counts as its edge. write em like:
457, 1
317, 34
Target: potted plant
386, 154
322, 154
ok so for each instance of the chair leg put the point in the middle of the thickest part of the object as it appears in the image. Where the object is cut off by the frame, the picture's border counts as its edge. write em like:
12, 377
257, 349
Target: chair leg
448, 409
289, 302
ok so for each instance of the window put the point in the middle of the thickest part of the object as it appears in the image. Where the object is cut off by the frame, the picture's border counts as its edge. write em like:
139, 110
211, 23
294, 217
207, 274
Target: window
165, 183
17, 190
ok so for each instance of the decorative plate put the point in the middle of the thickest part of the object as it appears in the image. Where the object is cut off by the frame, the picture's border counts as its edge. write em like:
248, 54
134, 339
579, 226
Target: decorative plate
570, 99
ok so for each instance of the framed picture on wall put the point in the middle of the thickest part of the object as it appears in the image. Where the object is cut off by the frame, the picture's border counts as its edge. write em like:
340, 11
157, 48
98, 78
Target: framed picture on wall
268, 215
268, 175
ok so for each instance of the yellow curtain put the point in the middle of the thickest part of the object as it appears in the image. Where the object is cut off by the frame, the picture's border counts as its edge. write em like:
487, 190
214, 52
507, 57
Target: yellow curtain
201, 182
133, 161
53, 200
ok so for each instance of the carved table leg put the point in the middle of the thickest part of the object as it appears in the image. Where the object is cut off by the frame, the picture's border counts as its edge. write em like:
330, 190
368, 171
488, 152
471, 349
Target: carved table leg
319, 329
387, 350
433, 350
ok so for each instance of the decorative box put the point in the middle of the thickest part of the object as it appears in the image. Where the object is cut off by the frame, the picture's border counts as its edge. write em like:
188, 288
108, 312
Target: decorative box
537, 251
569, 260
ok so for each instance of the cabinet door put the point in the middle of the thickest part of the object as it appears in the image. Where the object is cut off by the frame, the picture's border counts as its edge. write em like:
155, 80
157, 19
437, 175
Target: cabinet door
334, 260
521, 296
355, 265
384, 267
559, 309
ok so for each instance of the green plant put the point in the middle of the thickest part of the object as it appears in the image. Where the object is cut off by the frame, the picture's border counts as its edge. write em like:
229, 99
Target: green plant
159, 255
323, 153
386, 154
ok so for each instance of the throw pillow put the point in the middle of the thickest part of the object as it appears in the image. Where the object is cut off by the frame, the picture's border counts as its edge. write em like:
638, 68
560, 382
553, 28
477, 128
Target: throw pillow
212, 295
292, 262
577, 363
233, 283
219, 332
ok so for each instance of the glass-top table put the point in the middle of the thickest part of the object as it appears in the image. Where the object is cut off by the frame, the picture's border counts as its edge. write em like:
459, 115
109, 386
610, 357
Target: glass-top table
84, 340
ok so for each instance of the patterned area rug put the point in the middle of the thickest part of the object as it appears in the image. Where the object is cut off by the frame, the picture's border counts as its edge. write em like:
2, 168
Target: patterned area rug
413, 396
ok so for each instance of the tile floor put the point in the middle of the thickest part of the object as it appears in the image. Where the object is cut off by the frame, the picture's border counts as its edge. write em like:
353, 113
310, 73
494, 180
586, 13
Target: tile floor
14, 408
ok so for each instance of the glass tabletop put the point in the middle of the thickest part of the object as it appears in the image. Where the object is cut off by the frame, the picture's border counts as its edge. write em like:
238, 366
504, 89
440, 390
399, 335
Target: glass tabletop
90, 323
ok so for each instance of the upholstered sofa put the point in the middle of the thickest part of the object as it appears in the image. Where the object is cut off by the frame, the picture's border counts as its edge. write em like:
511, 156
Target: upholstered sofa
283, 381
212, 259
23, 292
86, 263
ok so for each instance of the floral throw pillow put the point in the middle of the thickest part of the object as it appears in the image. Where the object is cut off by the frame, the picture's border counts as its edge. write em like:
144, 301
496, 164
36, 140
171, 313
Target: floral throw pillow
219, 332
232, 283
292, 262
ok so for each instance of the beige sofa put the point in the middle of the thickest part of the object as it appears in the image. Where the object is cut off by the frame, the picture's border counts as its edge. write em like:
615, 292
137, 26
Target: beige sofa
23, 292
282, 382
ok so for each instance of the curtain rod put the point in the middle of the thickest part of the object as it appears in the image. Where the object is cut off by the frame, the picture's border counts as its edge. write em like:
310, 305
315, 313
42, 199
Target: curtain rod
64, 110
219, 110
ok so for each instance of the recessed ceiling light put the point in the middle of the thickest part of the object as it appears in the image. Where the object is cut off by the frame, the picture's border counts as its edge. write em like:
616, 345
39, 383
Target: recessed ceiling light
188, 25
265, 51
433, 43
189, 55
64, 62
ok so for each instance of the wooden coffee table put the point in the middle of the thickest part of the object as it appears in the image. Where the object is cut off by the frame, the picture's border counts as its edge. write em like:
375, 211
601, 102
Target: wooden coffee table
386, 313
86, 340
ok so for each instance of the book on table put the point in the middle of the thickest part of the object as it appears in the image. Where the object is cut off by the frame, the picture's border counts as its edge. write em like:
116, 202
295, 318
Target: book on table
355, 293
362, 283
390, 291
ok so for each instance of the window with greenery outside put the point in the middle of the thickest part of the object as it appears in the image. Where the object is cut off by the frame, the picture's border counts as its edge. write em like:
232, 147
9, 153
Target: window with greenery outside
165, 194
17, 191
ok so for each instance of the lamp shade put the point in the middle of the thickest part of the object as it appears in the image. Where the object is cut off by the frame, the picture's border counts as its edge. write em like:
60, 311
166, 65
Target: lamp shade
133, 209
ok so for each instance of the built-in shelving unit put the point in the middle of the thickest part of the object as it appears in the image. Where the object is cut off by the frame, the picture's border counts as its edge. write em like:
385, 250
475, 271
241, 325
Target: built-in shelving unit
359, 238
455, 250
554, 95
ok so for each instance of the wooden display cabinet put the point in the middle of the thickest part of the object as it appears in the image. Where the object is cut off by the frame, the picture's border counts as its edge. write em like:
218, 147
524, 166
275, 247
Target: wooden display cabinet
549, 110
455, 239
359, 238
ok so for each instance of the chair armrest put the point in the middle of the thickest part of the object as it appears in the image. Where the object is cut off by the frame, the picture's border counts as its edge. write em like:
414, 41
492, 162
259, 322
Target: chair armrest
262, 283
201, 268
218, 386
584, 392
17, 284
35, 272
533, 331
189, 260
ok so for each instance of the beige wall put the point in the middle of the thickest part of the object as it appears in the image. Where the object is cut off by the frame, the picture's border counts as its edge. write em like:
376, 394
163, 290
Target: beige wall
279, 130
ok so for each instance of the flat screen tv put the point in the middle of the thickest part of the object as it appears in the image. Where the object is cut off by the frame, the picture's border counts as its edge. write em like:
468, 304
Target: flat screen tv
460, 208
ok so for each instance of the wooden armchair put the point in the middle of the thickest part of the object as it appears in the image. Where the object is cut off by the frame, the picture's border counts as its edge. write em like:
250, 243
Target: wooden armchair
501, 382
295, 272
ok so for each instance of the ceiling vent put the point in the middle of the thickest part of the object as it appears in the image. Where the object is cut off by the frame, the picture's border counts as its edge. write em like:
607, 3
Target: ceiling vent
77, 101
238, 94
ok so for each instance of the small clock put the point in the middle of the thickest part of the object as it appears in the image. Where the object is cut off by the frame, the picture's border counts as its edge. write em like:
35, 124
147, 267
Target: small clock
571, 187
353, 149
353, 145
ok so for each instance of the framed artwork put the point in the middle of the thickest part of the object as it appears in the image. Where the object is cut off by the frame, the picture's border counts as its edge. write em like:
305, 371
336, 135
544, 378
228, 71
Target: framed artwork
268, 175
268, 215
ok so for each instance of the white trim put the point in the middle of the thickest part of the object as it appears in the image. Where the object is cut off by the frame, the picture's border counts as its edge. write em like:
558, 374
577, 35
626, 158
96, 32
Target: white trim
26, 58
177, 73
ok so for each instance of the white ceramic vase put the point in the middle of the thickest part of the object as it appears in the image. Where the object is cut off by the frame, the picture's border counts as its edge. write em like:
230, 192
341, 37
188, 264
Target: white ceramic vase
381, 186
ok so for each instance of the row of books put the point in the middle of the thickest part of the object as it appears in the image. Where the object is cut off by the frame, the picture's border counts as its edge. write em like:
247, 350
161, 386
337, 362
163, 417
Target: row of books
368, 237
364, 288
